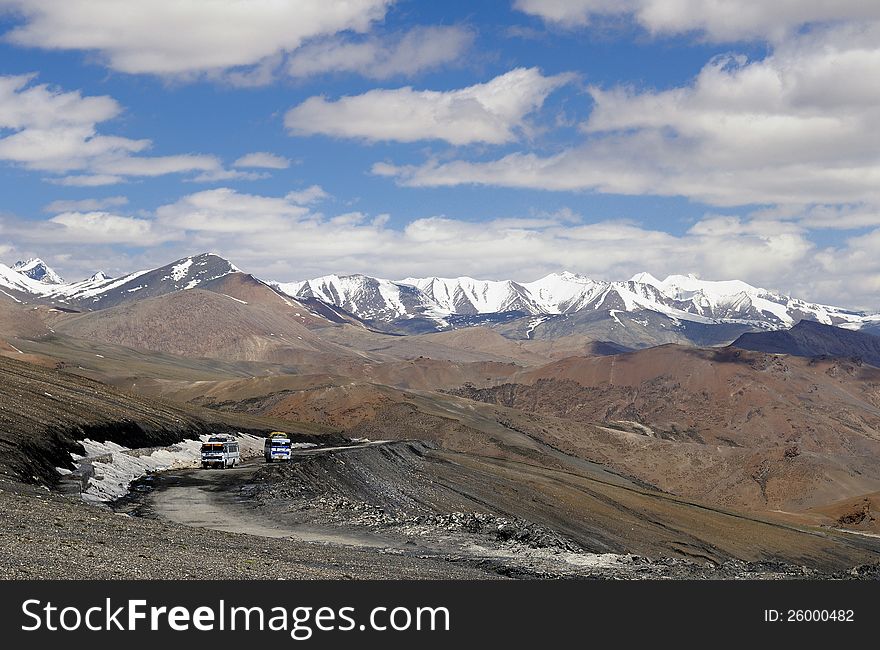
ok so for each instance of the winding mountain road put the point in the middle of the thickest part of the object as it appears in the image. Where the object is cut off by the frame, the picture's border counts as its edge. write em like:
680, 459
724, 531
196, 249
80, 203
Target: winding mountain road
215, 499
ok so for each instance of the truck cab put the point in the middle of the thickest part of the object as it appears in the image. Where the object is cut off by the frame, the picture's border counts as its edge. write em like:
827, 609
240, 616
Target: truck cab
277, 447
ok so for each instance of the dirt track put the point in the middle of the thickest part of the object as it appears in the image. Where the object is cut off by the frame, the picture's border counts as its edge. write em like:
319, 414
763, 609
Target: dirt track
208, 498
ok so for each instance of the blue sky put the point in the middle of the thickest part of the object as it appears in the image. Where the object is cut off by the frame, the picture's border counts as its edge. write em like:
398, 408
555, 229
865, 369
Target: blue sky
498, 140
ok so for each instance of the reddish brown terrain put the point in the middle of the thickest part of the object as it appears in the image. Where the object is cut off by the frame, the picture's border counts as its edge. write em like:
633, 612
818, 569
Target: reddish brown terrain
687, 438
746, 429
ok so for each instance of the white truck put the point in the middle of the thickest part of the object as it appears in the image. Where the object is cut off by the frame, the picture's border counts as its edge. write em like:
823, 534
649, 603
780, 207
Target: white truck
277, 447
220, 451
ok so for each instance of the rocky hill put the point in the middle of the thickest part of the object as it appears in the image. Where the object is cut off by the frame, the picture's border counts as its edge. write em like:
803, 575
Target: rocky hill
810, 339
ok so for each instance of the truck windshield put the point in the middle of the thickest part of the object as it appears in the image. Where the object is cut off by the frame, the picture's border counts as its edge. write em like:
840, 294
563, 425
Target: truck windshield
212, 447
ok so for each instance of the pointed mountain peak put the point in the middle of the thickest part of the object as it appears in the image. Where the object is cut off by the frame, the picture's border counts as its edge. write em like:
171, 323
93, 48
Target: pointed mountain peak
645, 278
569, 276
209, 258
37, 269
557, 279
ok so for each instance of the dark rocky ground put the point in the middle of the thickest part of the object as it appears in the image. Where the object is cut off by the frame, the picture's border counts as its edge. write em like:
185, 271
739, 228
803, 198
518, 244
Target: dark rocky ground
48, 536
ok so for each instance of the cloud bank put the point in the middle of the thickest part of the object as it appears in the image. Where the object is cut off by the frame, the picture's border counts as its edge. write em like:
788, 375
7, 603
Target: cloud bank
174, 37
285, 238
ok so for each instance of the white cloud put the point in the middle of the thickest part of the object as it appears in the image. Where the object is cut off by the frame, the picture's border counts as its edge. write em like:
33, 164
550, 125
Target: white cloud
262, 159
311, 194
85, 205
174, 37
490, 112
104, 227
840, 217
720, 20
801, 126
91, 229
46, 129
226, 211
53, 130
157, 165
23, 105
382, 57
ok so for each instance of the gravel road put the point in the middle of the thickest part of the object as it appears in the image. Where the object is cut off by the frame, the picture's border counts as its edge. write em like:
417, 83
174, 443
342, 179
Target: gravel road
208, 498
45, 535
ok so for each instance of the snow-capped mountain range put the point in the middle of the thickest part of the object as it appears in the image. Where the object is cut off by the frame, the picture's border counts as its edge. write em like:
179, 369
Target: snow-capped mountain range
100, 291
555, 305
683, 297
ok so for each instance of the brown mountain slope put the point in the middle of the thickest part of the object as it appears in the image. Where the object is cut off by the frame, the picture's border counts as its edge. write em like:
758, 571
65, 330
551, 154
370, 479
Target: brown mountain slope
737, 429
240, 319
485, 341
523, 351
723, 397
199, 323
380, 346
17, 319
248, 290
746, 429
861, 513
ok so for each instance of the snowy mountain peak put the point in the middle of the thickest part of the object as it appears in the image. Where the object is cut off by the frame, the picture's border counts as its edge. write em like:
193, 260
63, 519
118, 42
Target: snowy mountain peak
645, 278
216, 258
366, 297
469, 296
691, 283
101, 291
190, 272
563, 277
37, 269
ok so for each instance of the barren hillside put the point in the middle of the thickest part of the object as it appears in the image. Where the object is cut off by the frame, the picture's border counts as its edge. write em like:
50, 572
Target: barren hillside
746, 429
45, 412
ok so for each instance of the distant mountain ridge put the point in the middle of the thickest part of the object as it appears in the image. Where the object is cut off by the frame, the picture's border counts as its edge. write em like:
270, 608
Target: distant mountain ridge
100, 291
811, 339
678, 297
640, 312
